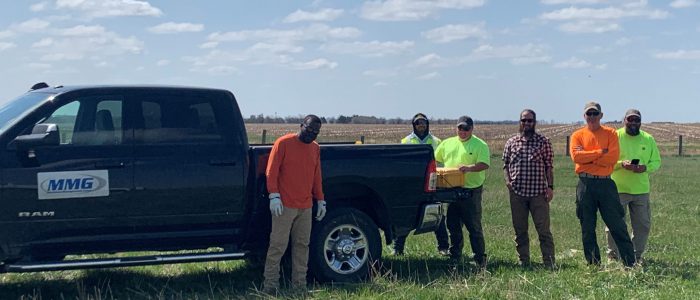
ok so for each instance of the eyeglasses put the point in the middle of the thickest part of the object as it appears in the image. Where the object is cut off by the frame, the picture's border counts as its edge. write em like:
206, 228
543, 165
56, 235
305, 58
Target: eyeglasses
593, 113
634, 120
527, 120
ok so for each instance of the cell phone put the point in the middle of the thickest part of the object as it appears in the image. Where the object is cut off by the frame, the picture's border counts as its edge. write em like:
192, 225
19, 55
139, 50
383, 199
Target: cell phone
635, 161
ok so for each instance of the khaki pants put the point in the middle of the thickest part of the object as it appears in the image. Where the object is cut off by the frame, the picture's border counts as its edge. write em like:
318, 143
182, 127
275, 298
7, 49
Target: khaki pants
296, 222
640, 218
521, 208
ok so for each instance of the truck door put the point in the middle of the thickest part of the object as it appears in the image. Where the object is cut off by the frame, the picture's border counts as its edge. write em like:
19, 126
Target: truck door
189, 170
57, 195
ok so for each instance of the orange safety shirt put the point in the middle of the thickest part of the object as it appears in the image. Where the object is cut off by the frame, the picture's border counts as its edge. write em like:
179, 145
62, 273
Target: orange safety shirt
294, 171
591, 159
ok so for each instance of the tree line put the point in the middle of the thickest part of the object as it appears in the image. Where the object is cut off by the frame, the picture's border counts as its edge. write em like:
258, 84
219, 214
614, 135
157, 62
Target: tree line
359, 119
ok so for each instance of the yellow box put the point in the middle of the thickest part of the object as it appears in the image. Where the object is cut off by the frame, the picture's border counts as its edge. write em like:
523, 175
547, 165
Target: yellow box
449, 178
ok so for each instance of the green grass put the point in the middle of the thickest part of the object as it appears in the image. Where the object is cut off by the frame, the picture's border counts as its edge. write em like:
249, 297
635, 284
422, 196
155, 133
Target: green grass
671, 270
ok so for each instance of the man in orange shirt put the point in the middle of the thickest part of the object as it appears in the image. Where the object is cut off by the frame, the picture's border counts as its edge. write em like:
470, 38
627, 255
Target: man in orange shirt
293, 181
595, 149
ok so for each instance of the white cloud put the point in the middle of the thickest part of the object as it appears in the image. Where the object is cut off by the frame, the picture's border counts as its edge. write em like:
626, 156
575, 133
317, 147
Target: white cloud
679, 55
276, 48
38, 6
411, 10
449, 33
556, 2
4, 46
83, 42
517, 54
315, 32
369, 49
6, 34
110, 8
162, 62
573, 63
171, 27
601, 66
222, 70
83, 31
323, 15
40, 66
429, 76
32, 25
589, 26
380, 83
623, 41
45, 42
608, 13
683, 3
314, 64
432, 60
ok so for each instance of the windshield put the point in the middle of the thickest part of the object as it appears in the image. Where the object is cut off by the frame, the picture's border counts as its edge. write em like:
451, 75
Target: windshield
19, 107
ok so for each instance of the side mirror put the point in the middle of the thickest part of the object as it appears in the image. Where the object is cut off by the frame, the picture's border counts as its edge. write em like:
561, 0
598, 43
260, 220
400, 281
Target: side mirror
42, 135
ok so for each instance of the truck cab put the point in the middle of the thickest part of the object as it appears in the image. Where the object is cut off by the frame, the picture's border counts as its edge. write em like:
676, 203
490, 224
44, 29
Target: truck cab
112, 169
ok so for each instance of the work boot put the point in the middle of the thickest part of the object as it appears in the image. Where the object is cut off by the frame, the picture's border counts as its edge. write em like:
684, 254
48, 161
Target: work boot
525, 264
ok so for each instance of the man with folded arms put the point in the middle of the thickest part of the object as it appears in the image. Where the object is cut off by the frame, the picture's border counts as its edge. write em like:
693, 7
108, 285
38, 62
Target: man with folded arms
595, 150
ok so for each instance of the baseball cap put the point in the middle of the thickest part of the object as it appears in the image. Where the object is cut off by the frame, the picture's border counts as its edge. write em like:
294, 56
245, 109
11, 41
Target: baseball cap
592, 105
465, 121
633, 112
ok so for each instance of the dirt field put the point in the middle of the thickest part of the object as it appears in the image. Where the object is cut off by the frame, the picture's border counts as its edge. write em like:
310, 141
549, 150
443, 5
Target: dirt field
666, 134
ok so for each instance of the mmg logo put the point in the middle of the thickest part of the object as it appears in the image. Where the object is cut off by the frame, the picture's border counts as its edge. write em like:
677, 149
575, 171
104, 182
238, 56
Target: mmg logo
69, 185
83, 183
73, 184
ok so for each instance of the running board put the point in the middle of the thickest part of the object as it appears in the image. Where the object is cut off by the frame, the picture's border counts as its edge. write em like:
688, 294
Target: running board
120, 262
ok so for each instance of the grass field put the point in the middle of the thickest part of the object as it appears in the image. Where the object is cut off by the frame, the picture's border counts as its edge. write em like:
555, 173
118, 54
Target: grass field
671, 270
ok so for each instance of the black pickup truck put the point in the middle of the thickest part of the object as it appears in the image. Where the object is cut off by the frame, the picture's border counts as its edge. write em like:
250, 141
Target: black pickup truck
168, 170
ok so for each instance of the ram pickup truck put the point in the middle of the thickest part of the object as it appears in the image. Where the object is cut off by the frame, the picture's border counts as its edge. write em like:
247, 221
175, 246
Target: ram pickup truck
168, 171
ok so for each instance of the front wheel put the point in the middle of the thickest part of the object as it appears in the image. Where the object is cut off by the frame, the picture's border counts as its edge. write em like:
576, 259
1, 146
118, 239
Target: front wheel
344, 246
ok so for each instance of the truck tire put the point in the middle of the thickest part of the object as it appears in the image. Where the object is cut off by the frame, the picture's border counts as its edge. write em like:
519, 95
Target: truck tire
345, 246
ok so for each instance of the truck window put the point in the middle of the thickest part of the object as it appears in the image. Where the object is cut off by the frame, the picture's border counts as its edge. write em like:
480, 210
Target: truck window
89, 121
179, 120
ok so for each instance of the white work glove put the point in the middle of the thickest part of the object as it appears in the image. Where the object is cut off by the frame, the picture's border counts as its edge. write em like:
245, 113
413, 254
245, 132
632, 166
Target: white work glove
275, 204
321, 212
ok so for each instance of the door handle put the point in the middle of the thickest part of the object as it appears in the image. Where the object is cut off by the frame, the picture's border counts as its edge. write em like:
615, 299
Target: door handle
110, 164
223, 162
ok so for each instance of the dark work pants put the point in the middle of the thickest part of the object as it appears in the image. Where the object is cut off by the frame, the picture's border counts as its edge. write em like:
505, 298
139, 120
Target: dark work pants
601, 194
521, 208
467, 211
440, 236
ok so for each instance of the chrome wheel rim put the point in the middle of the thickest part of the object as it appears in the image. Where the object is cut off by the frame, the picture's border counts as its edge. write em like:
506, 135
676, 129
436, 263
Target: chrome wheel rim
345, 249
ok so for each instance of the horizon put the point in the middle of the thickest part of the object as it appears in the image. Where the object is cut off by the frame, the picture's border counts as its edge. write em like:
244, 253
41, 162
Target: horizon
387, 58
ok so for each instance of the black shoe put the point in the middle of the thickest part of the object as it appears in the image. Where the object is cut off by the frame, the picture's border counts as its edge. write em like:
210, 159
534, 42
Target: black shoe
444, 252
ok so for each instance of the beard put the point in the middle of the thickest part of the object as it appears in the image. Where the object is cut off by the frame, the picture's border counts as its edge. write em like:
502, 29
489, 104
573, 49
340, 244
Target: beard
632, 130
527, 131
307, 137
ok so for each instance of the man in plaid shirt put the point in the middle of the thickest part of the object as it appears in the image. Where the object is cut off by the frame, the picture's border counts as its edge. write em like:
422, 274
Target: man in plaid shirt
528, 171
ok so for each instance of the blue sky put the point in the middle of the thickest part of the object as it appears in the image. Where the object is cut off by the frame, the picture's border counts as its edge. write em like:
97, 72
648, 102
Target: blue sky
391, 58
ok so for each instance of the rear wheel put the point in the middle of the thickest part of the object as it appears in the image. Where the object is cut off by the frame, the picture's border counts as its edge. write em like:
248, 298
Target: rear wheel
344, 246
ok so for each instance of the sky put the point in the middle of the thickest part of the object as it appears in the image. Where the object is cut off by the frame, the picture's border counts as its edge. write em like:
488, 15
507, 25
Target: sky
488, 59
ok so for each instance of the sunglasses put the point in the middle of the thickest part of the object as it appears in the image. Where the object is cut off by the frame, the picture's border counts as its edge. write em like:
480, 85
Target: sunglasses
527, 120
634, 120
311, 129
592, 113
464, 128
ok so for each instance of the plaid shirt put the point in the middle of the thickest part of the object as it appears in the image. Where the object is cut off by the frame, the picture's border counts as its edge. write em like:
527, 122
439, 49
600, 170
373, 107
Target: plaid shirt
527, 162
